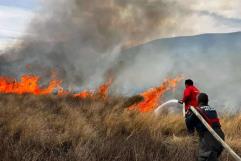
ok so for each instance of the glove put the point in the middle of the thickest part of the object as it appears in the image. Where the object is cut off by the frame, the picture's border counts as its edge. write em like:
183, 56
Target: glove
180, 101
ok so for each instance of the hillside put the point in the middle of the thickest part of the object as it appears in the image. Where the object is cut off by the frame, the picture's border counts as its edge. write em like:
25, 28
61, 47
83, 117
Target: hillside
211, 60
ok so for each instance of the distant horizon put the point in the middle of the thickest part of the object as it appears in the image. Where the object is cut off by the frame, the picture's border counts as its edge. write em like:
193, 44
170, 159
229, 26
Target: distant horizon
12, 41
185, 36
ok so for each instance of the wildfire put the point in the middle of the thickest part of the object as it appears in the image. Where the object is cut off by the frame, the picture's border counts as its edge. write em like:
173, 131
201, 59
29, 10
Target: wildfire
85, 94
30, 84
152, 96
27, 84
102, 91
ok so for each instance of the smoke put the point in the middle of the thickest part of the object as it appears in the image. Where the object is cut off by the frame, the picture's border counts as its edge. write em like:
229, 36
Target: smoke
211, 60
85, 40
81, 39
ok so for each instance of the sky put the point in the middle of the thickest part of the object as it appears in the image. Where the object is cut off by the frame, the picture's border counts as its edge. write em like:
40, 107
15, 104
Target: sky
15, 16
204, 16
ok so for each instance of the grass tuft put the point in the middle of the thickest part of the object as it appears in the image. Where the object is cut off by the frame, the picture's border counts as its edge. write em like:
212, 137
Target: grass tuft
51, 128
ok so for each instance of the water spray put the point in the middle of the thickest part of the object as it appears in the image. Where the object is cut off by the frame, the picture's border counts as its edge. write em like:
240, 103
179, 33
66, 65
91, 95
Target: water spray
209, 128
170, 102
159, 108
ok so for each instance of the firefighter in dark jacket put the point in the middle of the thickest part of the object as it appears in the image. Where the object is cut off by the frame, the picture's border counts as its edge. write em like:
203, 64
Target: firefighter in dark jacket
209, 148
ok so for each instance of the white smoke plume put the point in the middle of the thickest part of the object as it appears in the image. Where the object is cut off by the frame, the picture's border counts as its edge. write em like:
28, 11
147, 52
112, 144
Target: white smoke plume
81, 39
85, 39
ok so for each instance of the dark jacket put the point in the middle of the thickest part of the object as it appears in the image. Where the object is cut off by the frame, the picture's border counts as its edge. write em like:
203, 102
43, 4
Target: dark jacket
209, 148
208, 113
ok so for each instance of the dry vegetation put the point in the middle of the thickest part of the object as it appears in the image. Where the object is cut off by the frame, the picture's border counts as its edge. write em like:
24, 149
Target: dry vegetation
50, 128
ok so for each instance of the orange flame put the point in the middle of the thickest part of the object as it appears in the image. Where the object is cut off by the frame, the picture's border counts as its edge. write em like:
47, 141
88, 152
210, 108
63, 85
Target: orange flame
84, 94
30, 84
102, 91
152, 96
27, 84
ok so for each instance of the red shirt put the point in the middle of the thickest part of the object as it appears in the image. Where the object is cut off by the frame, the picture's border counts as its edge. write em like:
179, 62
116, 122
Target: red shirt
190, 97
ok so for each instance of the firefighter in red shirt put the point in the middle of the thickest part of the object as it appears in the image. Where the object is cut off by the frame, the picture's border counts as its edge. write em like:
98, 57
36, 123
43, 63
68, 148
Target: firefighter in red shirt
190, 95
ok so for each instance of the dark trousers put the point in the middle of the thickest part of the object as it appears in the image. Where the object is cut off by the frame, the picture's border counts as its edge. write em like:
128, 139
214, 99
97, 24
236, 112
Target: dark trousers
209, 148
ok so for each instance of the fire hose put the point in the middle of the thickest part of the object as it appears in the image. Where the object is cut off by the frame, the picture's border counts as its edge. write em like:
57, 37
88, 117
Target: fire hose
209, 128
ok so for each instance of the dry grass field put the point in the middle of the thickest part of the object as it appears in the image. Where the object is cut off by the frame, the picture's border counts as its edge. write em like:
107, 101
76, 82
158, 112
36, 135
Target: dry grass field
51, 128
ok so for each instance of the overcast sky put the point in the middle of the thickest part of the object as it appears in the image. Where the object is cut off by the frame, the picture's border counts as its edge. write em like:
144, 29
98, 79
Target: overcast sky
215, 16
14, 18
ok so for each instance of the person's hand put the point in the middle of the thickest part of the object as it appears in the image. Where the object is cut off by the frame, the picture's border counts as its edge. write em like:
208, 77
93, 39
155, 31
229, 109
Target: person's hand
180, 101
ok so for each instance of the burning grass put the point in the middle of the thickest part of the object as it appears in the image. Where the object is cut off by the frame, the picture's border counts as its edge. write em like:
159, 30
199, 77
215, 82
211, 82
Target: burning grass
67, 128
